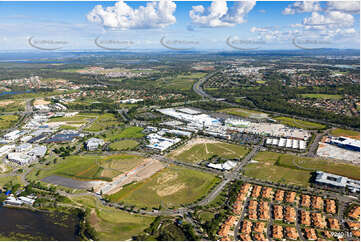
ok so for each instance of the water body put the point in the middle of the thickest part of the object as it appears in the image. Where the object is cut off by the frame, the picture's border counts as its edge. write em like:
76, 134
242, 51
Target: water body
24, 224
14, 92
346, 66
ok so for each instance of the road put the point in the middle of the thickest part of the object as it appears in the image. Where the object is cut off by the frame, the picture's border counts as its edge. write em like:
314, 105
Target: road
313, 147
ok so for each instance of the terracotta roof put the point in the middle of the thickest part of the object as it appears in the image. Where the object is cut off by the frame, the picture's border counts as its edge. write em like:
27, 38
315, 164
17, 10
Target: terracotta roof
305, 201
353, 225
259, 227
291, 233
259, 237
237, 207
290, 215
305, 218
266, 192
318, 220
279, 195
330, 206
225, 228
245, 237
246, 227
278, 212
252, 205
245, 188
256, 191
317, 202
252, 214
277, 232
264, 213
327, 234
354, 212
290, 197
356, 233
310, 234
225, 238
334, 225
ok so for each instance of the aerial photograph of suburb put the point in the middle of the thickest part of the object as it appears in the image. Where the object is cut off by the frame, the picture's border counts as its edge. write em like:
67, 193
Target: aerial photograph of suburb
168, 120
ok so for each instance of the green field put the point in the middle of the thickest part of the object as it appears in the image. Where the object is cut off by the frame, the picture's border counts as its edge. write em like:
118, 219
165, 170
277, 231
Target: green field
180, 82
345, 132
170, 187
103, 122
80, 118
112, 224
6, 121
12, 105
321, 96
124, 145
200, 152
14, 179
127, 133
290, 169
92, 167
301, 124
244, 113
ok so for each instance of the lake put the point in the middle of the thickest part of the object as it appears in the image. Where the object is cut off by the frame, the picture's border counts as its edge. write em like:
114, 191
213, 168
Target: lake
24, 224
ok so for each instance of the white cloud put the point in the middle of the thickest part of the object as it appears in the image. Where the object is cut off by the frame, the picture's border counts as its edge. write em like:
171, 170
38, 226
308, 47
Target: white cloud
122, 16
344, 6
219, 15
332, 19
302, 7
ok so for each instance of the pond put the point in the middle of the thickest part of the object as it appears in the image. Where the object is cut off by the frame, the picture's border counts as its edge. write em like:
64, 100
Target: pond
24, 224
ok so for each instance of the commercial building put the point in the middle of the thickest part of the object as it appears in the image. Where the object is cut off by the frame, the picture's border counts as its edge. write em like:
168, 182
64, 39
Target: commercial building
4, 150
333, 180
20, 158
23, 147
228, 165
345, 143
94, 144
12, 135
160, 143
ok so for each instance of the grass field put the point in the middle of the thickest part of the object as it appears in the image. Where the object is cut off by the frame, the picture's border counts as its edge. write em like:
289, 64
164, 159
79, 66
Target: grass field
129, 132
113, 224
244, 113
200, 152
103, 122
76, 118
170, 187
345, 132
93, 167
281, 168
180, 82
6, 121
124, 145
12, 105
321, 96
14, 179
299, 123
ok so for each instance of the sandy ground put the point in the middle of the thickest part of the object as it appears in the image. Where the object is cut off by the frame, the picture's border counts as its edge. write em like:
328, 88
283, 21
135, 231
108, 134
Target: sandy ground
192, 143
5, 103
332, 151
40, 102
141, 172
3, 168
57, 124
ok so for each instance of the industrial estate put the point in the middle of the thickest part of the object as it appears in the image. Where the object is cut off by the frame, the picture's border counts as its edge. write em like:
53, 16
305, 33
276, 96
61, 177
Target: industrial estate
180, 145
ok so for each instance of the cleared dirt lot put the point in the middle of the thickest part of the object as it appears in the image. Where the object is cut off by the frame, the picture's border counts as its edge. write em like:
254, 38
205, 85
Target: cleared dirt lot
68, 182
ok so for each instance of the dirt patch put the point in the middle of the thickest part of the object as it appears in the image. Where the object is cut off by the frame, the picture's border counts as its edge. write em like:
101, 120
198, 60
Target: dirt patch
41, 102
3, 168
169, 190
5, 103
192, 143
167, 177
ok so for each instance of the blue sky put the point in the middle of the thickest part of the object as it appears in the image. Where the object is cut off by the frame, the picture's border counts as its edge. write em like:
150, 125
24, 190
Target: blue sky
170, 24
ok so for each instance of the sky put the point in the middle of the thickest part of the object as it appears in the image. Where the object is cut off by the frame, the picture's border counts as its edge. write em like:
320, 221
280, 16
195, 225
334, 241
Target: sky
178, 25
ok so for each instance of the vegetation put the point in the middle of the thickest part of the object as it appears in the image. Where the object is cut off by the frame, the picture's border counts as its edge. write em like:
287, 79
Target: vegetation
124, 145
129, 132
321, 96
171, 187
345, 132
6, 121
301, 124
103, 122
200, 152
244, 113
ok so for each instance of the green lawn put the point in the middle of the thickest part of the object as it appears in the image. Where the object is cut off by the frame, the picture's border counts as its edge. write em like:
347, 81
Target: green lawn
6, 121
290, 169
113, 224
345, 132
14, 179
180, 82
200, 152
90, 167
124, 145
321, 96
170, 187
244, 113
76, 118
299, 123
103, 122
129, 132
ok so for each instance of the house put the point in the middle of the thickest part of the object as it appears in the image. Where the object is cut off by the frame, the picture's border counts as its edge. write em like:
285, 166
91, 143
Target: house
305, 218
256, 191
330, 206
310, 234
355, 212
94, 143
317, 203
305, 201
290, 197
290, 215
278, 212
291, 233
279, 195
277, 232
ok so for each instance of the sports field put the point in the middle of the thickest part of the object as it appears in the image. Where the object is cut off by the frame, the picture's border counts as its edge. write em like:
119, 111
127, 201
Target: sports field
92, 167
170, 187
244, 113
345, 132
112, 224
301, 124
197, 150
129, 132
290, 169
321, 96
6, 121
124, 145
